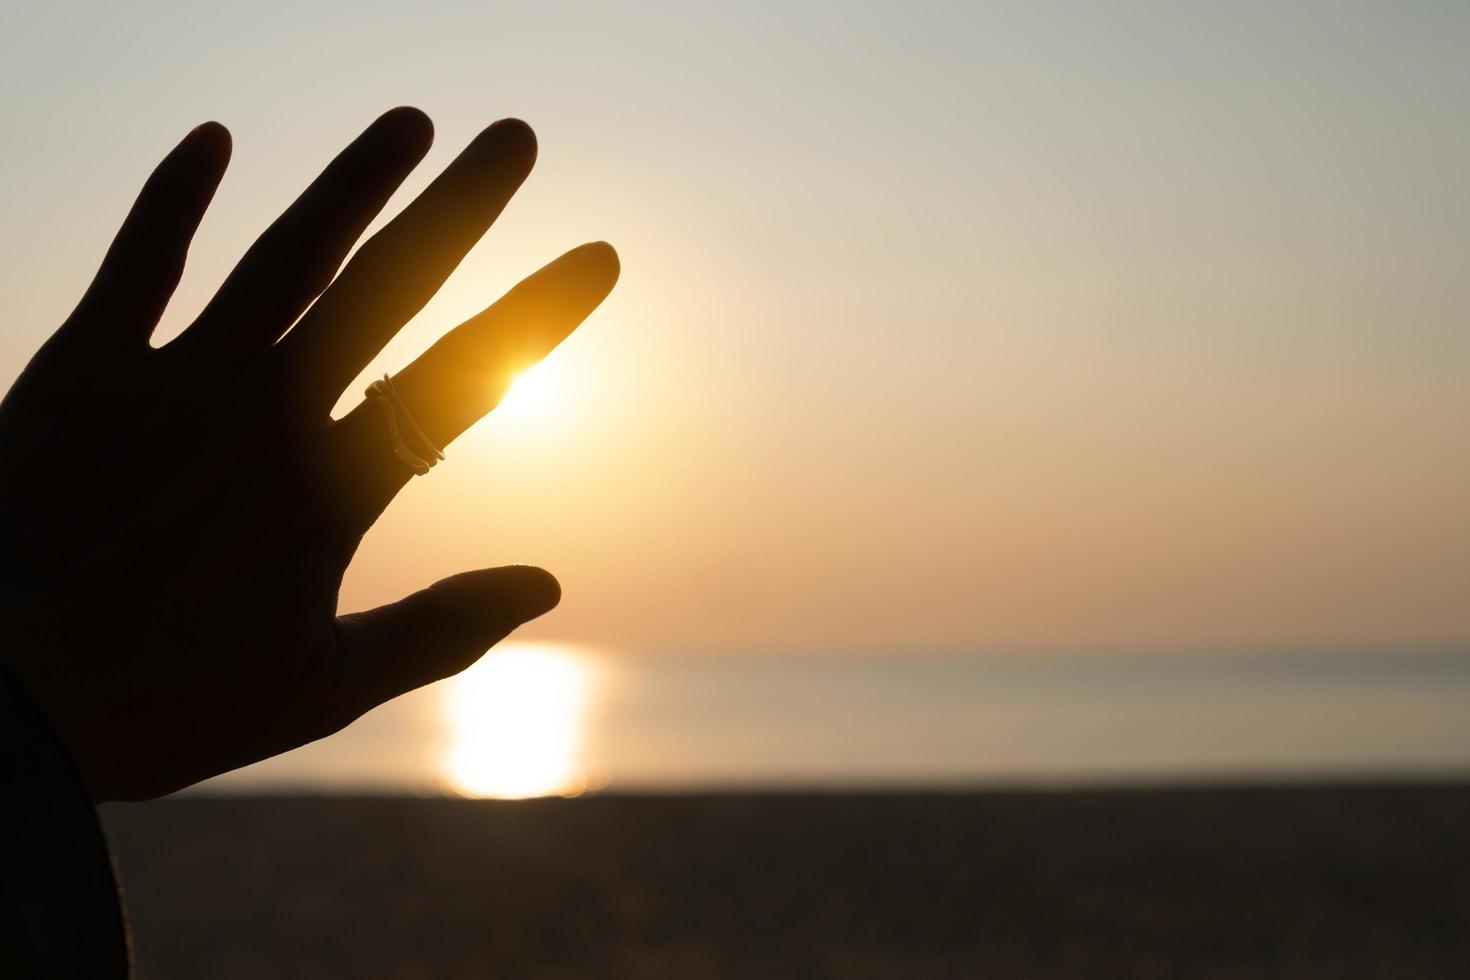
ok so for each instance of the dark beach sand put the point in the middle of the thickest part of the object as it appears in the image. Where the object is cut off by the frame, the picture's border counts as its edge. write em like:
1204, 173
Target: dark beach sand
1292, 883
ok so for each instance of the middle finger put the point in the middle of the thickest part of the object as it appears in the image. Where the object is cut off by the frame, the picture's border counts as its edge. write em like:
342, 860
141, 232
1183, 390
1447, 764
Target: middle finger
400, 268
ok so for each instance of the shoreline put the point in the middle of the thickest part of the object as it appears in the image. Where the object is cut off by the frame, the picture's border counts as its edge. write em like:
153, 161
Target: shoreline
1362, 880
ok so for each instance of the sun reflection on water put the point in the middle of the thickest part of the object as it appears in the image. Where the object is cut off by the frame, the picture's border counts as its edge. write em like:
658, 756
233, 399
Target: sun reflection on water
517, 720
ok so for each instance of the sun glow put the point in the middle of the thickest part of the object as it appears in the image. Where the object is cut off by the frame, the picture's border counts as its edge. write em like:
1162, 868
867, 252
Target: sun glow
517, 720
533, 392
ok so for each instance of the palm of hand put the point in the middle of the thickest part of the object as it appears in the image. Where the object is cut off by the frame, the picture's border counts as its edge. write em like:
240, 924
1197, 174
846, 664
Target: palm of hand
180, 518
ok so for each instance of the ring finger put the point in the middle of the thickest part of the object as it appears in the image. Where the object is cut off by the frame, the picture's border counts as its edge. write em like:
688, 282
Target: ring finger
466, 373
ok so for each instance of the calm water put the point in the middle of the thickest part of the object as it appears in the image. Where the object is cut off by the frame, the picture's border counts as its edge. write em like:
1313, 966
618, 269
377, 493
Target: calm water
536, 719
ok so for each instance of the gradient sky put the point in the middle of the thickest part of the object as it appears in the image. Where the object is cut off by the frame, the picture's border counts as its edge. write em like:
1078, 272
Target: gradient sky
963, 326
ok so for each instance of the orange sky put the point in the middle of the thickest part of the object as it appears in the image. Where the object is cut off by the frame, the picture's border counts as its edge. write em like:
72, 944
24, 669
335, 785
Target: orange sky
1007, 326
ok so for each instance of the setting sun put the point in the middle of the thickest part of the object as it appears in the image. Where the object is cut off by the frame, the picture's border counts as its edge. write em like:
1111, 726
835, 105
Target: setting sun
532, 392
516, 720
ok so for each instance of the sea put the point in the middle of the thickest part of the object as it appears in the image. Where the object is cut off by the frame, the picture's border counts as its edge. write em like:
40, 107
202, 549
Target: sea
539, 719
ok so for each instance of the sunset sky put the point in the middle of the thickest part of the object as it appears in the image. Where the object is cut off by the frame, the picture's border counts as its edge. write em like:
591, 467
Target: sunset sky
941, 327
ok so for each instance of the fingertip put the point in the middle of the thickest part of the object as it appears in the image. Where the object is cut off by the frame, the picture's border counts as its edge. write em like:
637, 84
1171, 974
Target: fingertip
538, 590
608, 257
496, 598
211, 141
411, 127
595, 264
516, 137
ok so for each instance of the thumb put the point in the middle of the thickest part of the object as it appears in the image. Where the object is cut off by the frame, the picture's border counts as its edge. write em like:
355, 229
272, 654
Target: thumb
436, 632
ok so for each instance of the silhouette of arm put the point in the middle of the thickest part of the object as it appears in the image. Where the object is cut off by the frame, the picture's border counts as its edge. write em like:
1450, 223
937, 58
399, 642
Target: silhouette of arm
59, 911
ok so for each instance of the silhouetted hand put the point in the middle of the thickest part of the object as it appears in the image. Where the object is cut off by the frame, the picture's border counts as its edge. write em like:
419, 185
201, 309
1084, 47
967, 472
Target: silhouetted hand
176, 521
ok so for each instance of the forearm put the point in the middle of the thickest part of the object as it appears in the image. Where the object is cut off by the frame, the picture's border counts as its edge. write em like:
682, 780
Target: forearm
58, 897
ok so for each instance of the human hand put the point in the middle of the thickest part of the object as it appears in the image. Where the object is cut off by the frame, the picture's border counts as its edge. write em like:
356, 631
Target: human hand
177, 520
